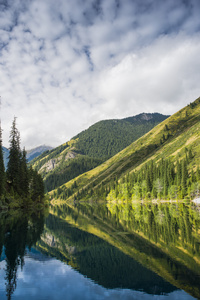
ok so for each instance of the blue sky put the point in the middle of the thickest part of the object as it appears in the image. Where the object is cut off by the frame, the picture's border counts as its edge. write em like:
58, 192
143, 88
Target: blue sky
67, 64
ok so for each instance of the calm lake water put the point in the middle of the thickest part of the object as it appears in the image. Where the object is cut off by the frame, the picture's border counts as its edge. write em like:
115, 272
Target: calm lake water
124, 250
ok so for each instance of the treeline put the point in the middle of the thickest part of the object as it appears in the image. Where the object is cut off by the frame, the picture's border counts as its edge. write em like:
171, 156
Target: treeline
19, 185
165, 179
106, 138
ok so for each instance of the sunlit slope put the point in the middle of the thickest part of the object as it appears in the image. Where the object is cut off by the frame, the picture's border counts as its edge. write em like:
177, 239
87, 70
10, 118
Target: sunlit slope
62, 164
92, 147
171, 138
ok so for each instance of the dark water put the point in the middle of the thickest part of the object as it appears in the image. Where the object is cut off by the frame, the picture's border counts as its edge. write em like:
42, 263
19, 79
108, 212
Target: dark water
102, 251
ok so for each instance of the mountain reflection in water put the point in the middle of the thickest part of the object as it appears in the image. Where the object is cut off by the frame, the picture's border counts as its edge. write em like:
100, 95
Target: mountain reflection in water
103, 251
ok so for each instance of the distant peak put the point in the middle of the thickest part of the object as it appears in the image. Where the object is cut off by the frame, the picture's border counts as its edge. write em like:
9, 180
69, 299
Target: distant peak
146, 117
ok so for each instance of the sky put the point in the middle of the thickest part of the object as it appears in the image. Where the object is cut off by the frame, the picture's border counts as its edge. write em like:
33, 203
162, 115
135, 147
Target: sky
67, 64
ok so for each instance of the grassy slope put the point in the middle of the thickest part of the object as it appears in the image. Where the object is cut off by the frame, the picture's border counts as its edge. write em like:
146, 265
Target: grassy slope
181, 131
94, 145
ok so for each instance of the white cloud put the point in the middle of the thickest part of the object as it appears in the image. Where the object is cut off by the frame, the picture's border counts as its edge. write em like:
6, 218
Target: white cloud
66, 66
162, 77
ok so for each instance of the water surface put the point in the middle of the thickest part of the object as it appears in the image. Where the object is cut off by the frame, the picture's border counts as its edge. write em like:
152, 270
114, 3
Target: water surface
102, 251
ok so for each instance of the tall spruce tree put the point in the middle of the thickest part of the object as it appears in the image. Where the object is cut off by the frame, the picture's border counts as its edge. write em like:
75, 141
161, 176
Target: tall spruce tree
24, 174
2, 169
184, 178
21, 181
14, 162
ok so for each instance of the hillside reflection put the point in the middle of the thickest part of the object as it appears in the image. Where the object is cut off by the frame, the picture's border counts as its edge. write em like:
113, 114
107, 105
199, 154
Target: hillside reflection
143, 247
149, 247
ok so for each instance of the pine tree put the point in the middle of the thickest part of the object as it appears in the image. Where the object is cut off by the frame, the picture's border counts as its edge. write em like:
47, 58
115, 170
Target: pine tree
198, 174
21, 181
148, 182
178, 173
184, 178
165, 179
13, 167
24, 175
36, 185
2, 169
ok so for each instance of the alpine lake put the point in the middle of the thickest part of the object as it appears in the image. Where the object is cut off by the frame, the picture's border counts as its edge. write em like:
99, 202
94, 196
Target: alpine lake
102, 250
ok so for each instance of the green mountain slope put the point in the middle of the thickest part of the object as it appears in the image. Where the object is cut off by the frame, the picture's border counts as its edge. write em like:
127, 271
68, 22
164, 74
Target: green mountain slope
106, 138
92, 147
170, 139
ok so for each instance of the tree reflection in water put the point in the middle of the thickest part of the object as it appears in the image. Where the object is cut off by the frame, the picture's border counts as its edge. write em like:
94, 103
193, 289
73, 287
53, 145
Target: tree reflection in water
16, 234
163, 237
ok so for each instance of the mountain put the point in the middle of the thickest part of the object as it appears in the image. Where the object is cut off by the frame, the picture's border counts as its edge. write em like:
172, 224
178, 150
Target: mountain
5, 156
92, 147
35, 152
171, 139
31, 154
106, 138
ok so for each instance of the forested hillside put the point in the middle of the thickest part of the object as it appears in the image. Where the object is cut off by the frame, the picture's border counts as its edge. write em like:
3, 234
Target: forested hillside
163, 163
106, 138
92, 147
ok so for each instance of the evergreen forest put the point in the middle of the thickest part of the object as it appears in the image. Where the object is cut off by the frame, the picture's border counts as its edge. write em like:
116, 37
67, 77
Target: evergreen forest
162, 164
20, 186
91, 147
106, 138
162, 180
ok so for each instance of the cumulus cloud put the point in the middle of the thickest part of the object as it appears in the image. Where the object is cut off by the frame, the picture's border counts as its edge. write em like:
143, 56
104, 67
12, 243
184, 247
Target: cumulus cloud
67, 65
162, 77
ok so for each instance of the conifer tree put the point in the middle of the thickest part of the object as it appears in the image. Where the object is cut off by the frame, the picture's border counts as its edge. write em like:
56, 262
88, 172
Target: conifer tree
24, 175
21, 181
184, 178
36, 185
148, 182
165, 179
178, 173
2, 169
13, 167
198, 174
